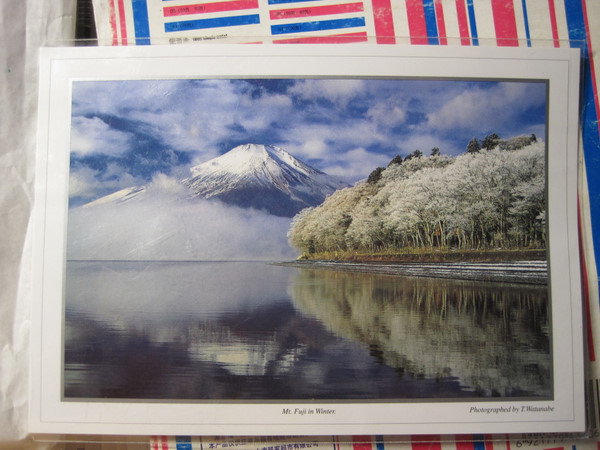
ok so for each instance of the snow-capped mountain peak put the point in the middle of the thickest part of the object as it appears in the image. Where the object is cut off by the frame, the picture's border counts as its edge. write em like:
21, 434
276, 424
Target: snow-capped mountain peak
252, 157
263, 177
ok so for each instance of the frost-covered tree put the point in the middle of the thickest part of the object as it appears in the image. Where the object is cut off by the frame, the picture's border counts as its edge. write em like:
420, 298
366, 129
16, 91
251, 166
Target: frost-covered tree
517, 143
490, 198
324, 227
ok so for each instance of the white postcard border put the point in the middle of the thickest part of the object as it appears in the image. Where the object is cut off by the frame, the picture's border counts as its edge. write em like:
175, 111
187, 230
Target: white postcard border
60, 67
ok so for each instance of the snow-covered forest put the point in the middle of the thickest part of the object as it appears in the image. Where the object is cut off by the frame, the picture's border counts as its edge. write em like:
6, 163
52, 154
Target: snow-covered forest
491, 196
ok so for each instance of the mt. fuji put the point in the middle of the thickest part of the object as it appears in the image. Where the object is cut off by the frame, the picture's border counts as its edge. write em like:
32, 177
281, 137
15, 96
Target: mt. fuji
262, 177
257, 189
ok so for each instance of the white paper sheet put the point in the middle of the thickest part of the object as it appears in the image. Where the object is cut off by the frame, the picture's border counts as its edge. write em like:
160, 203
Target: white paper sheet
26, 25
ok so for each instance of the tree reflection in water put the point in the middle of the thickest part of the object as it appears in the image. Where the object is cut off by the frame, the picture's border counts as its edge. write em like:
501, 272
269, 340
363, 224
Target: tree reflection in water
493, 337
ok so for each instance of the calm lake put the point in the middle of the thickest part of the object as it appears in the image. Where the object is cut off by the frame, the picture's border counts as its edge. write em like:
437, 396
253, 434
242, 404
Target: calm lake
250, 330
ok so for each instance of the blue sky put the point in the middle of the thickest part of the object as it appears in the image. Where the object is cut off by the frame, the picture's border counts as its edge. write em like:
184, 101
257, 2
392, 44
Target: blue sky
126, 132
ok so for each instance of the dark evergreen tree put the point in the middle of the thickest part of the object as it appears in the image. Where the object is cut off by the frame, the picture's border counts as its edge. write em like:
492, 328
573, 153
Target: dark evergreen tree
435, 151
416, 154
490, 141
375, 176
397, 160
473, 146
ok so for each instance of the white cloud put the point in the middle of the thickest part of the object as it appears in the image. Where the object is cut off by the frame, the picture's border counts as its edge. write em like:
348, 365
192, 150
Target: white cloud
257, 114
165, 185
187, 115
336, 90
162, 225
309, 140
487, 108
120, 97
386, 114
461, 112
313, 149
82, 183
85, 182
183, 114
93, 135
356, 164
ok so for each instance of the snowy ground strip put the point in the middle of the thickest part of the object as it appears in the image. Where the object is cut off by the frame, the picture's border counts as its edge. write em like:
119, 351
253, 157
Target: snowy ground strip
529, 272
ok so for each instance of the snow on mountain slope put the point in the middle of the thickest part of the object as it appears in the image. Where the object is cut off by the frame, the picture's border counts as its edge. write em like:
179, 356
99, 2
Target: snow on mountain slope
122, 196
263, 177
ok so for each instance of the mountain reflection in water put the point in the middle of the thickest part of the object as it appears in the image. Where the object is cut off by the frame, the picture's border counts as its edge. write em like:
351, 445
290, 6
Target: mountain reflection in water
254, 331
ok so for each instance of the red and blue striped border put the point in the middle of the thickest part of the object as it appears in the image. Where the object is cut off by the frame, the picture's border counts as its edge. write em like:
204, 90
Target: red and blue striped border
215, 22
140, 22
303, 27
359, 442
344, 8
579, 36
209, 7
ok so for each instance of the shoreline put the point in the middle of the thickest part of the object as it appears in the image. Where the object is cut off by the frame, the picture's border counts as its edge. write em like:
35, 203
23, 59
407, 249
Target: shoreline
433, 256
521, 272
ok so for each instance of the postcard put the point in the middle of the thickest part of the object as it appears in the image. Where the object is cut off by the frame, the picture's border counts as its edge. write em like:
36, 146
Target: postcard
309, 240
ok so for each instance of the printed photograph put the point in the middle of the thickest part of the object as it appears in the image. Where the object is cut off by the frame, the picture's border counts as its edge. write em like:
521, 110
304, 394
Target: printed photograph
372, 239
